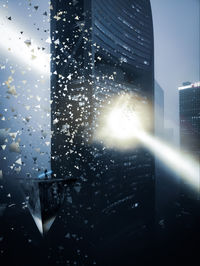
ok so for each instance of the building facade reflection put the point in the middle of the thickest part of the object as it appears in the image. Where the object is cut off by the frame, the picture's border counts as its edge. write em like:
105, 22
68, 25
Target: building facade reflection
101, 49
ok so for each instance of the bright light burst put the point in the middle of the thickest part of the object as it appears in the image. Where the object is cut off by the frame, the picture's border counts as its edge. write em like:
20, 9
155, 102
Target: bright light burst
118, 121
124, 124
22, 47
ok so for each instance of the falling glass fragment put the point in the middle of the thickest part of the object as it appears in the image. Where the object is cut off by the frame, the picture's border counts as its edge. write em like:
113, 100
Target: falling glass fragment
44, 198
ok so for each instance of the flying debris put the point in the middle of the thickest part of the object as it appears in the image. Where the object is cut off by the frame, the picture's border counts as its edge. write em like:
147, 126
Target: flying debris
14, 147
48, 40
3, 147
27, 42
33, 57
13, 135
45, 174
3, 135
19, 48
12, 91
43, 201
19, 161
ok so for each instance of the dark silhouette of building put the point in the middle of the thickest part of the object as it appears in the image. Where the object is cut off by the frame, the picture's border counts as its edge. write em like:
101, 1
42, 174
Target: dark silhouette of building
189, 100
101, 49
189, 96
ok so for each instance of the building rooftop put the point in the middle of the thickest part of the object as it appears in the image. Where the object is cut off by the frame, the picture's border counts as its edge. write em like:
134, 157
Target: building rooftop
192, 85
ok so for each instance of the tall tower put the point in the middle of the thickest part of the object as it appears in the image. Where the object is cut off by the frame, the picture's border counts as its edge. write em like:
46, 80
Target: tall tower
189, 100
189, 96
101, 49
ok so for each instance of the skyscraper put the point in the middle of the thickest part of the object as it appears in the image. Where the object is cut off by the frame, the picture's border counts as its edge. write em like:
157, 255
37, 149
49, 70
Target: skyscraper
189, 102
189, 96
101, 49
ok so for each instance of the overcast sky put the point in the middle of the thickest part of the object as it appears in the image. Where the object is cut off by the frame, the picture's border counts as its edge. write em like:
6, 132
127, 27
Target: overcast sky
177, 48
176, 37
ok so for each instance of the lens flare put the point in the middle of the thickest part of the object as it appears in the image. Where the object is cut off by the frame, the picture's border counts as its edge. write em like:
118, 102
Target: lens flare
22, 48
118, 121
123, 124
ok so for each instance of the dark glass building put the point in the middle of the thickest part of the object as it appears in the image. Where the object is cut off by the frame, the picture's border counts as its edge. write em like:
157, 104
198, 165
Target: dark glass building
101, 49
189, 109
189, 106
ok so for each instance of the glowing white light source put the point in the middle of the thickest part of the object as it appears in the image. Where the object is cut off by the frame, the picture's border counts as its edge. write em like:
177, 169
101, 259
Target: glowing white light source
118, 121
123, 123
22, 48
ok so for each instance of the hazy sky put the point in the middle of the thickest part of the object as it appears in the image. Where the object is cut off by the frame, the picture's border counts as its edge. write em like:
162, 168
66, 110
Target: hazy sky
176, 37
177, 48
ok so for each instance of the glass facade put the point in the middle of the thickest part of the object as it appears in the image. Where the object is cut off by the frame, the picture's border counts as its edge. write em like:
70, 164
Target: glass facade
101, 49
190, 118
189, 109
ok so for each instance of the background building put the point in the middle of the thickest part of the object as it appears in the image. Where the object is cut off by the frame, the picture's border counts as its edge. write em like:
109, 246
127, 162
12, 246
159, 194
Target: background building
159, 132
189, 108
159, 110
167, 187
101, 49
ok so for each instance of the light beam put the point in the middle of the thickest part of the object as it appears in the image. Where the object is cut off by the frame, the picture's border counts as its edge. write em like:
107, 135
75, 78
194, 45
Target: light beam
22, 47
183, 165
123, 123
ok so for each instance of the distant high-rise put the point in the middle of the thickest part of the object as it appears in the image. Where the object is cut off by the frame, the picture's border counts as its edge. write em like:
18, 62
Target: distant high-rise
189, 108
169, 135
101, 49
159, 132
159, 110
